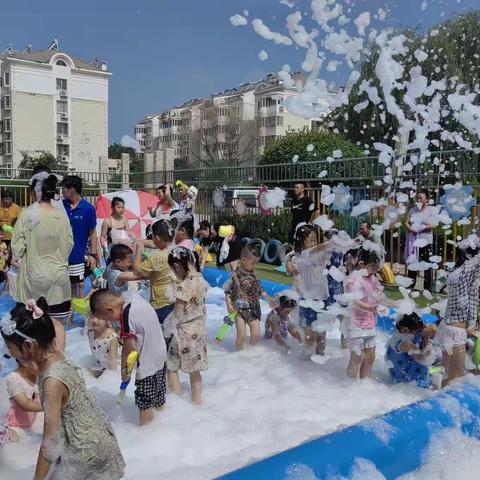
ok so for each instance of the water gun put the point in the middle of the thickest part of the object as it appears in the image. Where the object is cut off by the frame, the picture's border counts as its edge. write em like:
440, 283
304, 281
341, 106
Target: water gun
97, 277
131, 360
7, 228
228, 322
476, 353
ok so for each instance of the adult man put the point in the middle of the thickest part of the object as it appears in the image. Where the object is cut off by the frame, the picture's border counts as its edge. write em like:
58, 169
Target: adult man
9, 212
368, 233
83, 220
418, 245
303, 208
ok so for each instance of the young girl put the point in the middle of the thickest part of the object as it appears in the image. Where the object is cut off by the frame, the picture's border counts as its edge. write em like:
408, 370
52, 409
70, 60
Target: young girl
307, 264
361, 329
78, 440
184, 235
116, 221
188, 347
242, 295
104, 346
278, 324
23, 393
410, 352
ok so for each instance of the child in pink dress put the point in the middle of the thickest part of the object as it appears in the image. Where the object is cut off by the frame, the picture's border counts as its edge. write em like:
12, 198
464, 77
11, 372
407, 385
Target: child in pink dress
24, 397
361, 329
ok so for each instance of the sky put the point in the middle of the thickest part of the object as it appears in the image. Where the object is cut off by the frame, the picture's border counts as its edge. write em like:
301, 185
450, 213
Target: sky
164, 52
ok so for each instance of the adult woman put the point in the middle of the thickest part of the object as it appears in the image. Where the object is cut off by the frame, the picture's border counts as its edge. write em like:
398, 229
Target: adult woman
116, 221
41, 242
165, 201
462, 305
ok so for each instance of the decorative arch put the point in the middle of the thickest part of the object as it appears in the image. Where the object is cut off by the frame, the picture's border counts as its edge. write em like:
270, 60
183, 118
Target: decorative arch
62, 58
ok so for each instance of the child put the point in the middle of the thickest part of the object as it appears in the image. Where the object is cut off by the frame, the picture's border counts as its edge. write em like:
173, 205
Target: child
116, 221
141, 332
242, 295
104, 346
278, 324
307, 264
78, 440
24, 397
4, 256
361, 329
117, 272
155, 268
184, 235
411, 354
188, 347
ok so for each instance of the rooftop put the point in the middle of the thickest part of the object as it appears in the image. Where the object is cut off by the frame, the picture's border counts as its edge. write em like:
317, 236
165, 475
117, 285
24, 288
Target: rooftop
45, 56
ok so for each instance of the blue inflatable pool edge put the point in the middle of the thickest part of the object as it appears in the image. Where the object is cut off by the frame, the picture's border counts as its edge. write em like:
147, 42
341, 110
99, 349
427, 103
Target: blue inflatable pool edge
394, 442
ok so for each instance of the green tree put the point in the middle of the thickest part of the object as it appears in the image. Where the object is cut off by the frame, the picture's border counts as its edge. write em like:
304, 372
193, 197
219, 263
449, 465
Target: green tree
28, 162
115, 151
452, 47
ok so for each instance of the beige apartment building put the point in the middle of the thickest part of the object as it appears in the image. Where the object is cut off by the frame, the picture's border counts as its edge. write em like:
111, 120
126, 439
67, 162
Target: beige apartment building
251, 116
56, 103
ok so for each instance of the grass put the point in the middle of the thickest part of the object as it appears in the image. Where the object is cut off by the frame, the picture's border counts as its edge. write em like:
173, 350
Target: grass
269, 272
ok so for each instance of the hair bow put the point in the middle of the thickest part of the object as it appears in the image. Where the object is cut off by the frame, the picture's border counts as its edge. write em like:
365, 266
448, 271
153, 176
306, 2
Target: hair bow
32, 306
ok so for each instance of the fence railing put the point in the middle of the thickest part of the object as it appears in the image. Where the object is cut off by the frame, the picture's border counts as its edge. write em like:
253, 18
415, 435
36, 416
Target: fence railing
364, 175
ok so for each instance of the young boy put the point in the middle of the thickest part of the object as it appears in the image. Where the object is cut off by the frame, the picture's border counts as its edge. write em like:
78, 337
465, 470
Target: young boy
242, 296
278, 324
141, 332
155, 268
410, 352
118, 272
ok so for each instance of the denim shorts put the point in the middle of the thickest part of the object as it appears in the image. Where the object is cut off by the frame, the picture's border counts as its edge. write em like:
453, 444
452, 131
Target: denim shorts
307, 316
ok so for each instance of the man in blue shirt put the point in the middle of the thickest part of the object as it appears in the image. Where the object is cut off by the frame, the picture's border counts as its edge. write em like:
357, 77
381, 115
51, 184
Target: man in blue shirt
83, 220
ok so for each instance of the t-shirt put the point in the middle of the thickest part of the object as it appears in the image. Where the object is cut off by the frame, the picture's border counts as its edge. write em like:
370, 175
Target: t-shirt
156, 269
111, 276
302, 210
420, 218
140, 322
83, 220
8, 216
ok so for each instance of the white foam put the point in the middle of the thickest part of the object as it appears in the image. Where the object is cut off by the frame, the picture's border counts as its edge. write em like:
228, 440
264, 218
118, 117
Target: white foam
186, 442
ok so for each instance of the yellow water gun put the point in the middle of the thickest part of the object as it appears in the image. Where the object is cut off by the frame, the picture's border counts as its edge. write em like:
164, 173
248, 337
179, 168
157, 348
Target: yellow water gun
131, 361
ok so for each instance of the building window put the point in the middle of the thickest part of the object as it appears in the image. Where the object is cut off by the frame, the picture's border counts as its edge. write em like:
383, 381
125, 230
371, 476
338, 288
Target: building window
62, 106
8, 148
7, 125
62, 129
63, 150
223, 112
61, 63
280, 121
61, 84
6, 102
6, 79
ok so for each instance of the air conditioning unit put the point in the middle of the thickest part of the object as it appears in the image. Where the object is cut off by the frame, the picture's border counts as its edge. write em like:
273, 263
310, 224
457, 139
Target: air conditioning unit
281, 109
63, 93
60, 138
63, 115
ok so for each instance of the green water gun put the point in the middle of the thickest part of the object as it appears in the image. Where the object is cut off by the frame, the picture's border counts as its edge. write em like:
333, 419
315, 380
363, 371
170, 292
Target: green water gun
476, 353
228, 322
7, 228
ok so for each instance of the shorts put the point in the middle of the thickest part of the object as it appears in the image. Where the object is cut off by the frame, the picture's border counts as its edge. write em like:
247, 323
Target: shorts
358, 344
150, 391
449, 337
61, 311
306, 316
76, 273
3, 276
164, 312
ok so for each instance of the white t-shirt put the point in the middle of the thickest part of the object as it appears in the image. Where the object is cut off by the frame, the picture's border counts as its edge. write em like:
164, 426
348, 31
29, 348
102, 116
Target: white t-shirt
140, 322
16, 385
312, 283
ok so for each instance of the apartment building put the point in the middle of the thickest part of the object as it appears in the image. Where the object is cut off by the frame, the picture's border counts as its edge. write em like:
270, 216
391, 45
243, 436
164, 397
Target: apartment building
53, 102
221, 125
